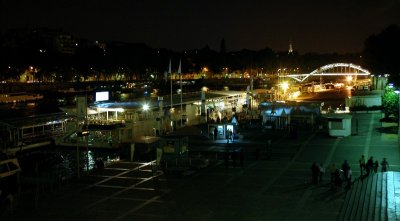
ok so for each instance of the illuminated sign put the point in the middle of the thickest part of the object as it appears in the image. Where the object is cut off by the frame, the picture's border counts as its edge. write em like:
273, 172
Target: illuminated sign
102, 96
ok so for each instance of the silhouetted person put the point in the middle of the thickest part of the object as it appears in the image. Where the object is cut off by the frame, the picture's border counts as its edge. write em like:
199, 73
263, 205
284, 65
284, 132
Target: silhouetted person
348, 179
385, 165
338, 181
215, 133
346, 169
227, 136
369, 166
314, 172
362, 165
376, 165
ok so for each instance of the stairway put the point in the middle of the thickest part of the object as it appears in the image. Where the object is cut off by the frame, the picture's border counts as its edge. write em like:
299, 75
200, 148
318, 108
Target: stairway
376, 197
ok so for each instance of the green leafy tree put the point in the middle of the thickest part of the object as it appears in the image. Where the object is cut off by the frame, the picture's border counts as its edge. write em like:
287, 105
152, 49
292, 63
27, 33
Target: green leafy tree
390, 103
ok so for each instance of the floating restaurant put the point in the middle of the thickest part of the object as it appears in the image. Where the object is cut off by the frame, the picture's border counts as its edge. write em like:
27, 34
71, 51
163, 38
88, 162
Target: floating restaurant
106, 124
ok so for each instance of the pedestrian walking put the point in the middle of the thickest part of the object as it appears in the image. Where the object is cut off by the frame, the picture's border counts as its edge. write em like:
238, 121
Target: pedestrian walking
362, 165
228, 136
376, 165
314, 172
369, 165
346, 168
385, 165
337, 180
215, 133
348, 179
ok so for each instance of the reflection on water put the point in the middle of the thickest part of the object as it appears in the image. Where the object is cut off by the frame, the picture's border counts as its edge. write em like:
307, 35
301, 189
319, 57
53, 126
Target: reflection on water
87, 161
69, 164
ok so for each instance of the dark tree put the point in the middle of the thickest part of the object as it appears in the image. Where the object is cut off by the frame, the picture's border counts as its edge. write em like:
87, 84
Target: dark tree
381, 53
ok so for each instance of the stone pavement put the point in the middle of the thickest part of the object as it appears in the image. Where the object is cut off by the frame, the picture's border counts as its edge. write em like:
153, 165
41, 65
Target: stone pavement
273, 188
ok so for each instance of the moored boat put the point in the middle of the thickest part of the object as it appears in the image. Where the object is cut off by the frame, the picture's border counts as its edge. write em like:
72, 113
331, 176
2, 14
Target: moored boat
19, 97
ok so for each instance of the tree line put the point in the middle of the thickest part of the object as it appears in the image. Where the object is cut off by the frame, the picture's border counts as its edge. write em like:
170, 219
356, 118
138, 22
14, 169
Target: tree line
138, 61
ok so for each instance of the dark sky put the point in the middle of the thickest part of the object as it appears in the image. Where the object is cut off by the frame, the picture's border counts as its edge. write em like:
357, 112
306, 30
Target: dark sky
312, 25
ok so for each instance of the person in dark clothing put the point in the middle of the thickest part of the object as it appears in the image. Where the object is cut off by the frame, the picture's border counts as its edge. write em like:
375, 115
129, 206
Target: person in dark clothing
348, 178
362, 165
369, 166
346, 169
384, 165
315, 172
376, 165
215, 133
338, 181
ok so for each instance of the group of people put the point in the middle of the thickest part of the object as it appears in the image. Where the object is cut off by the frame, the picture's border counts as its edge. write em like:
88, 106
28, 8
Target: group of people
230, 135
344, 173
318, 170
371, 166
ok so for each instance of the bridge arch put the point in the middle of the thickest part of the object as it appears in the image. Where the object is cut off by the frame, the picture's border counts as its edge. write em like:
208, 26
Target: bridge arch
322, 71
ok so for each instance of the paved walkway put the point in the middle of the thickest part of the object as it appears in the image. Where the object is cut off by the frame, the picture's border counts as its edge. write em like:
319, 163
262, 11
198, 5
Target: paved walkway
277, 188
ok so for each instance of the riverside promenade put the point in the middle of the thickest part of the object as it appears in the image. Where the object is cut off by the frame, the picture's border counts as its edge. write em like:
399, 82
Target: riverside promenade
275, 186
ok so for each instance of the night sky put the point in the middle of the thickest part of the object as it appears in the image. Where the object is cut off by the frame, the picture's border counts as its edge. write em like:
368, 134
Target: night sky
321, 26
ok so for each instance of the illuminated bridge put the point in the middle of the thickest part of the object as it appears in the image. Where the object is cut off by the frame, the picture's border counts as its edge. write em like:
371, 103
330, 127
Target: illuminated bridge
336, 69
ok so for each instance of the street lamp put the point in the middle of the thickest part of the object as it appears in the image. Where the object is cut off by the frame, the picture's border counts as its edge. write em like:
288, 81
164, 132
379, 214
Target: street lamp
349, 79
284, 86
146, 107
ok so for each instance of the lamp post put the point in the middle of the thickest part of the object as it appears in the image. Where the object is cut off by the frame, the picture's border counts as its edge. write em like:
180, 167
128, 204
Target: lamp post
285, 86
145, 107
